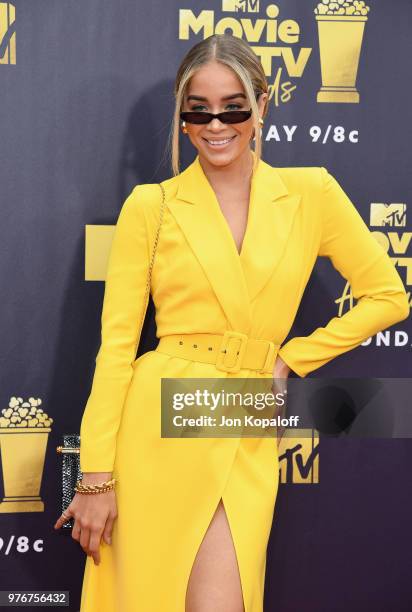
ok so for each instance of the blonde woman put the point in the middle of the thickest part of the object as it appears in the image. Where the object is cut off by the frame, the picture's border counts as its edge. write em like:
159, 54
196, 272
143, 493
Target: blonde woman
186, 526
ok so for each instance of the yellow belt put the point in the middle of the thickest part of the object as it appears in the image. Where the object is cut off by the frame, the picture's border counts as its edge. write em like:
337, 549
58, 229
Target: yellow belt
229, 352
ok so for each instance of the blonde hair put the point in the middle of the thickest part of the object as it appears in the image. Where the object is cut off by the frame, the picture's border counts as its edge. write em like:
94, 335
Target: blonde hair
235, 53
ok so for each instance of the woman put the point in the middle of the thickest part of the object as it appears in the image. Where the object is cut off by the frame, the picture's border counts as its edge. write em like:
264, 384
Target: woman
187, 525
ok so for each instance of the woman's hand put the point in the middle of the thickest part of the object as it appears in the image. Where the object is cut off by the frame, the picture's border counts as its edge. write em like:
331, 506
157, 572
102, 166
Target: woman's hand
94, 516
280, 369
280, 374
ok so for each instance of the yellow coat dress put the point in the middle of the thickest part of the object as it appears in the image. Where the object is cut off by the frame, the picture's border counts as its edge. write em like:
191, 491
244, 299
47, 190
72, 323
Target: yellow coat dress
168, 488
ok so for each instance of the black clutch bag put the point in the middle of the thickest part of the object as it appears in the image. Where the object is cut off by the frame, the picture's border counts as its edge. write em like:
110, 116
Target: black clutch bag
70, 451
70, 471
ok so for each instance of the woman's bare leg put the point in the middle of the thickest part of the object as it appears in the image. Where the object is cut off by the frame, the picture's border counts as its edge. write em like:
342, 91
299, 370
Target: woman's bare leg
214, 583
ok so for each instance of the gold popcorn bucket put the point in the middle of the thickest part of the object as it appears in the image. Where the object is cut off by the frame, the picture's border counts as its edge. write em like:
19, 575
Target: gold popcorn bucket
23, 454
340, 43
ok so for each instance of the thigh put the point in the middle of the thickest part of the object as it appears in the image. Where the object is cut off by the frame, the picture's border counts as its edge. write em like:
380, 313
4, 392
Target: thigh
214, 583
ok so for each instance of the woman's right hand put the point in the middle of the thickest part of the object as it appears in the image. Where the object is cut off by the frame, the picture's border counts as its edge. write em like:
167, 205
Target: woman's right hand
280, 374
94, 516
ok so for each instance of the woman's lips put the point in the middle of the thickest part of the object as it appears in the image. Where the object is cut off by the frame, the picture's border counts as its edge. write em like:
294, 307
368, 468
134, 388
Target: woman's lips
219, 143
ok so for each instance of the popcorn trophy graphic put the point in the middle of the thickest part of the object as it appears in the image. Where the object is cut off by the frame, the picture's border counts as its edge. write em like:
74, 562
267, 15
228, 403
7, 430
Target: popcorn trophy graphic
24, 431
341, 24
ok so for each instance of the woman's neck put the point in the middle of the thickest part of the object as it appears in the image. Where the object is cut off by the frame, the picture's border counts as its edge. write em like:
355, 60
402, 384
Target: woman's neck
232, 177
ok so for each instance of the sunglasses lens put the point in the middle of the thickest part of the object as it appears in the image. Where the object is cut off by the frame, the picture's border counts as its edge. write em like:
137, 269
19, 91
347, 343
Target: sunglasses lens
235, 116
202, 118
196, 117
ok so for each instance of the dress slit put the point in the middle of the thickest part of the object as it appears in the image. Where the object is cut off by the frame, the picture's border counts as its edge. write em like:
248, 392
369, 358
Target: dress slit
234, 546
199, 540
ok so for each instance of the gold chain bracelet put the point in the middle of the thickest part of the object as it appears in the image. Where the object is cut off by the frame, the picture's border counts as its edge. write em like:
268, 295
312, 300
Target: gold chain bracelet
90, 489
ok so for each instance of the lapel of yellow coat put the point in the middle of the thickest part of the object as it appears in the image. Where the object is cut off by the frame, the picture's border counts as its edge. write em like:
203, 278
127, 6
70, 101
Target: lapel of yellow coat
236, 279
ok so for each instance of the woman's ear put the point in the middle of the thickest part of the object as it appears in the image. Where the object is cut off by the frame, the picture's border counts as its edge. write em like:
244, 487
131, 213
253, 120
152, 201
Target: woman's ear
262, 103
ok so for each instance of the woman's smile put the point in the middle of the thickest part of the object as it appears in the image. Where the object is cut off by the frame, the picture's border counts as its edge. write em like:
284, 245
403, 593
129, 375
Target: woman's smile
219, 143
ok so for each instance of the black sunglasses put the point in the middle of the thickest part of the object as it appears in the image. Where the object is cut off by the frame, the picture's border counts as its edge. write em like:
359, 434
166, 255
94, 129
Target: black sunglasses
200, 117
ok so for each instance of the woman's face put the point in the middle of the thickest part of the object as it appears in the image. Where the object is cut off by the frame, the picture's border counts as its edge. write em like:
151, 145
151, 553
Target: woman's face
206, 91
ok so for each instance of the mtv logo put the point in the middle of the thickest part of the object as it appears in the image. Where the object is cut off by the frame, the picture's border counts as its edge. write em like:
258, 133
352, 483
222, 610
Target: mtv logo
392, 215
299, 458
243, 6
7, 33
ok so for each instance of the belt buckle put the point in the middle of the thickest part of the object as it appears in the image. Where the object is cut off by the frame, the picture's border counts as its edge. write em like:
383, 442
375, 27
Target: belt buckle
268, 358
233, 346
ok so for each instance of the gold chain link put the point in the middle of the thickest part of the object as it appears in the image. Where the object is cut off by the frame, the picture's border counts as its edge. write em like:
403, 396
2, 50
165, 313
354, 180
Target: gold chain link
149, 276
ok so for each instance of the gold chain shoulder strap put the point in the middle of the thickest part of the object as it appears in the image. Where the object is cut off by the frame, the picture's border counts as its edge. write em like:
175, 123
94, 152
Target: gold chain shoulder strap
149, 275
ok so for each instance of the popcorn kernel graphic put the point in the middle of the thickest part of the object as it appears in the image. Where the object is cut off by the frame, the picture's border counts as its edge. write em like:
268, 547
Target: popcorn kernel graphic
20, 413
342, 7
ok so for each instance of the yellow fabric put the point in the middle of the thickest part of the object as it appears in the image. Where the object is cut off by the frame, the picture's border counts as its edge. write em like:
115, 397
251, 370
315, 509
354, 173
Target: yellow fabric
230, 351
168, 489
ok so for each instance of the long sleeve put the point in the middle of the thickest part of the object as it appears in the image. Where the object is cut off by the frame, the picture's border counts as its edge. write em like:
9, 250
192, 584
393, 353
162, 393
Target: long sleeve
124, 305
374, 280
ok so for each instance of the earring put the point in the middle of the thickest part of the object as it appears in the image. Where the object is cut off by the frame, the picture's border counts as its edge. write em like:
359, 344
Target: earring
184, 128
260, 120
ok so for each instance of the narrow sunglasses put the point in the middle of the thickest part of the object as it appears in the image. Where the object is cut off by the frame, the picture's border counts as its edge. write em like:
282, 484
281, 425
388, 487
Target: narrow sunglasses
201, 117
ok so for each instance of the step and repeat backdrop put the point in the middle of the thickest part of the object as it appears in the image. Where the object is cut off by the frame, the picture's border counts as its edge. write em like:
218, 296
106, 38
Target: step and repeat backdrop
87, 103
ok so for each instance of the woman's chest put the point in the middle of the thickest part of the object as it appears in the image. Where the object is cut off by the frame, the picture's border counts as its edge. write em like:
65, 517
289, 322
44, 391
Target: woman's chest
208, 259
